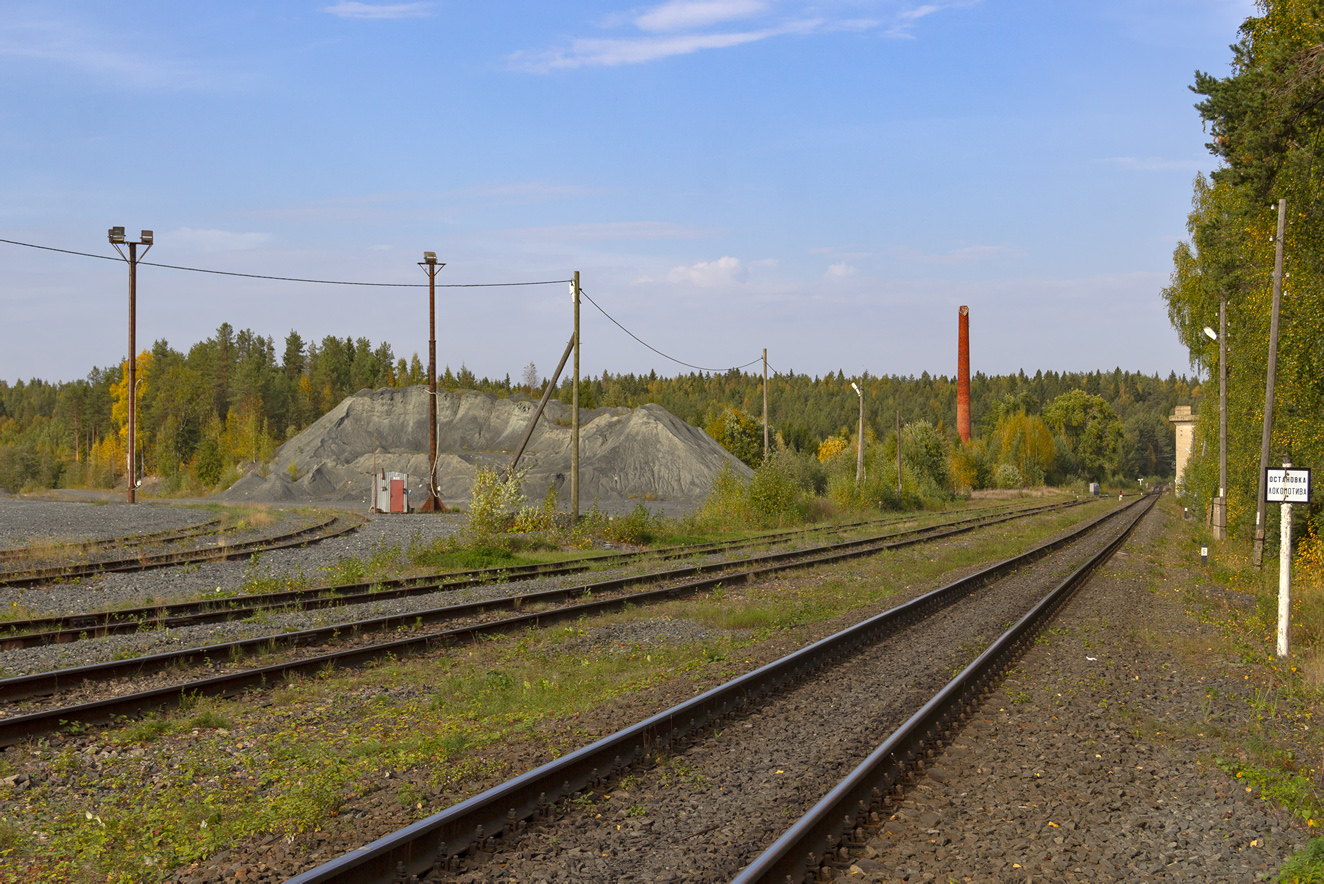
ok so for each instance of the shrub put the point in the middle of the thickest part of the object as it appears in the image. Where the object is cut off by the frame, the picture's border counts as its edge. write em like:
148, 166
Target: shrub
775, 493
1007, 476
924, 450
494, 503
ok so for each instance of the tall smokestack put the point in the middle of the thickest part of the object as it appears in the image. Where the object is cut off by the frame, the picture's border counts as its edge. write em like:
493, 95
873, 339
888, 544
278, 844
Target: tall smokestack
963, 376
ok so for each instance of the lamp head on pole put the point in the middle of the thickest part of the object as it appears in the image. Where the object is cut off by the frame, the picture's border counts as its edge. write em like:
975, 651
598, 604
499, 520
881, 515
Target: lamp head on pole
1213, 335
116, 234
856, 389
146, 237
429, 257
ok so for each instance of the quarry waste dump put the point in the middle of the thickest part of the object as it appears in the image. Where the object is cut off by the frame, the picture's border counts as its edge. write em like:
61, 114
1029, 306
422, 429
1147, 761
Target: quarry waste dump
627, 455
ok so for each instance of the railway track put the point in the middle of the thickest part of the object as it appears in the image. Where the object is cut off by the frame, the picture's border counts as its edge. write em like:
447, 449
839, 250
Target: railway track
486, 617
717, 785
324, 529
36, 632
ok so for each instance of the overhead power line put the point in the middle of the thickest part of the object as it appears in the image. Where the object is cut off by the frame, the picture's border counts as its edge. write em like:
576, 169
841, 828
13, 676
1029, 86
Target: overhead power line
657, 351
402, 285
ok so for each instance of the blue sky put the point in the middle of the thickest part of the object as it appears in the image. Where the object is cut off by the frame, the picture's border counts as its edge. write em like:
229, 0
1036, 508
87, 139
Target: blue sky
829, 180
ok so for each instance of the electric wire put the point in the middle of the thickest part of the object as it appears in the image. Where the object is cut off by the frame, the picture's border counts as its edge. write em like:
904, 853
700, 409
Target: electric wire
659, 352
403, 285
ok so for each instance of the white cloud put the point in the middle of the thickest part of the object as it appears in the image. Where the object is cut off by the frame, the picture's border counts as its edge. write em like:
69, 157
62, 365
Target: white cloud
352, 9
612, 53
214, 240
839, 271
682, 15
683, 27
707, 274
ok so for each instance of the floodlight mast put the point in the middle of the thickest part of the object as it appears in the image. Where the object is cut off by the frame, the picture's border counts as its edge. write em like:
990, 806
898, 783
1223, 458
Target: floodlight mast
430, 264
117, 239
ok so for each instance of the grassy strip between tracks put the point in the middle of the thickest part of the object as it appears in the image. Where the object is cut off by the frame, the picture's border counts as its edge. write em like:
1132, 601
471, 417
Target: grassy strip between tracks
406, 738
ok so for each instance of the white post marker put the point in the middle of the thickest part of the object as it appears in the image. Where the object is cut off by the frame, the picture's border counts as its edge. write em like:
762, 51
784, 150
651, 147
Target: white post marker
1286, 486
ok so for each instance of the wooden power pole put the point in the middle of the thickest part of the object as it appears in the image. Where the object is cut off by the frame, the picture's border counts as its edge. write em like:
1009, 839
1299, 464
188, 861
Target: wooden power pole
765, 404
1257, 556
574, 416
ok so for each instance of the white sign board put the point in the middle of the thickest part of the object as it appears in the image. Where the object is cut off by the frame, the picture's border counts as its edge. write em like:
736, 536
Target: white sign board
1287, 486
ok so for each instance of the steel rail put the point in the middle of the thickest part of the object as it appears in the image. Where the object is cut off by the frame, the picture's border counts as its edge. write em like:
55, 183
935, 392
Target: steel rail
16, 728
37, 632
154, 615
169, 535
53, 681
812, 838
430, 844
323, 530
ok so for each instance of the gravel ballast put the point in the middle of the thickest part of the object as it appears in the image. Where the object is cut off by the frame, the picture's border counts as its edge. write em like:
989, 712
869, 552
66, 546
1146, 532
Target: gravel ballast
1076, 769
1093, 761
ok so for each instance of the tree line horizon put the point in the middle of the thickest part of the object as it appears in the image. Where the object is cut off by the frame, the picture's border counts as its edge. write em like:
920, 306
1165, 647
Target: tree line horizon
231, 400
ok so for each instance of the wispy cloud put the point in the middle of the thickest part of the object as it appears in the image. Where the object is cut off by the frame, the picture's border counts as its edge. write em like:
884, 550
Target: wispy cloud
841, 270
102, 54
352, 9
592, 52
684, 27
683, 15
202, 240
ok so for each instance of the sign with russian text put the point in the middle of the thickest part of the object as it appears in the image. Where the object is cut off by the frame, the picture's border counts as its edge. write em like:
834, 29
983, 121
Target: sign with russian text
1287, 486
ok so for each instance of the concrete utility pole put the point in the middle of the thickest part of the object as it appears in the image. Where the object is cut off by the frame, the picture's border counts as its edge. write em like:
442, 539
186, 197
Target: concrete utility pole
1257, 555
765, 404
1285, 573
574, 415
429, 263
116, 236
859, 435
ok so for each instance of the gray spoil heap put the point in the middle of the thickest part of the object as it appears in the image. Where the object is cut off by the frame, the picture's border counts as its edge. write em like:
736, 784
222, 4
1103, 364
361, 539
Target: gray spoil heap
626, 455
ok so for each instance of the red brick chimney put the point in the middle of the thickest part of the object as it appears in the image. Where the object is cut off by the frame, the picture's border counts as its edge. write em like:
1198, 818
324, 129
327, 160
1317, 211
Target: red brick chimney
963, 376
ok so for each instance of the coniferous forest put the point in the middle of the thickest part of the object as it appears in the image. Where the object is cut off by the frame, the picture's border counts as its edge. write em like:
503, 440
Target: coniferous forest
207, 414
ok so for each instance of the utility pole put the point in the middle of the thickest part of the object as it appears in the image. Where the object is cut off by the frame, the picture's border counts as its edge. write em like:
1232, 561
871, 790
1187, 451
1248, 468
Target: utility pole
859, 436
116, 236
1220, 507
1285, 572
898, 452
433, 504
765, 404
574, 415
1257, 555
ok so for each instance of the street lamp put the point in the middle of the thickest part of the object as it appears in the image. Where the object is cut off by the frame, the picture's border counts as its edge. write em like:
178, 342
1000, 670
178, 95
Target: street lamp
1219, 513
430, 264
116, 237
859, 456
